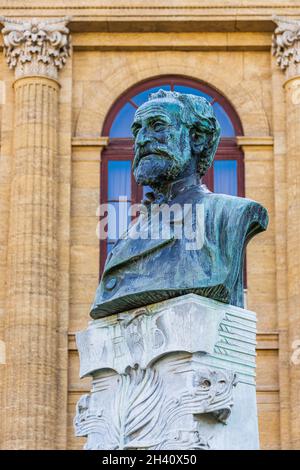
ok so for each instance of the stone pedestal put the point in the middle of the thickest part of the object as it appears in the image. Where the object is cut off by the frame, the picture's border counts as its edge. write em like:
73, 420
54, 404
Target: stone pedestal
178, 374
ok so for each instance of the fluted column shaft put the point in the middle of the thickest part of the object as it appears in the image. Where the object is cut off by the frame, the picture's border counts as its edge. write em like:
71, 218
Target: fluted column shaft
292, 90
36, 50
30, 329
286, 48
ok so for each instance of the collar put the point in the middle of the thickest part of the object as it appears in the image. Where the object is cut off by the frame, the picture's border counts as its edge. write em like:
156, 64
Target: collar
172, 190
182, 184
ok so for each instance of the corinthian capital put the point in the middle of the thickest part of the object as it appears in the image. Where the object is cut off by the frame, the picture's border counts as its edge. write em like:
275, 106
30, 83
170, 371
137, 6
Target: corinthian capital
36, 46
286, 42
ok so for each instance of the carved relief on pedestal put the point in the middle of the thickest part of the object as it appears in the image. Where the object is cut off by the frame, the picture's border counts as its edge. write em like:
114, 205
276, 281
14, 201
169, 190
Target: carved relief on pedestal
143, 416
36, 47
286, 42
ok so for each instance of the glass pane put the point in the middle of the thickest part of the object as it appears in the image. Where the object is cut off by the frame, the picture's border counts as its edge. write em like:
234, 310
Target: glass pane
191, 91
118, 219
144, 95
227, 129
225, 177
119, 179
121, 126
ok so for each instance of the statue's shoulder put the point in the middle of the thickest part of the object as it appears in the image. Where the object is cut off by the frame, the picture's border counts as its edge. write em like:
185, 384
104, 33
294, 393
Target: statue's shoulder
234, 207
207, 197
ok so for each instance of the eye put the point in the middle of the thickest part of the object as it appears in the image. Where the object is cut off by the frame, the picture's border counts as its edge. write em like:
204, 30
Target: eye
135, 129
158, 126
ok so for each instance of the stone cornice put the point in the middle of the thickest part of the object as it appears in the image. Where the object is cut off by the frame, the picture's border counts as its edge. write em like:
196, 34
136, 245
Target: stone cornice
286, 42
90, 141
235, 6
142, 15
36, 47
181, 41
255, 141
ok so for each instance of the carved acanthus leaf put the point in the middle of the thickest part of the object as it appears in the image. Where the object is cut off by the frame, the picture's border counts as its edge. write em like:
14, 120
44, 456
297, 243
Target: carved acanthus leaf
36, 47
286, 42
143, 417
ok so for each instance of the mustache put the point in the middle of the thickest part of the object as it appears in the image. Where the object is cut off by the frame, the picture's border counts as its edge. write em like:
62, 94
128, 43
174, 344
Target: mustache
145, 150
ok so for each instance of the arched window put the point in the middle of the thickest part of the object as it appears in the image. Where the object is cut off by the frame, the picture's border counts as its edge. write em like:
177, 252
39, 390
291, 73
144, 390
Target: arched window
226, 175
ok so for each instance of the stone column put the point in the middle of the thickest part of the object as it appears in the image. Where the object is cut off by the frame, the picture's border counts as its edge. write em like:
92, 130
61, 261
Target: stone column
286, 48
36, 50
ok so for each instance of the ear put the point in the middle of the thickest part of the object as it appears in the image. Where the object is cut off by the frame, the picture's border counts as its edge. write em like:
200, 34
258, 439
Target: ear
198, 141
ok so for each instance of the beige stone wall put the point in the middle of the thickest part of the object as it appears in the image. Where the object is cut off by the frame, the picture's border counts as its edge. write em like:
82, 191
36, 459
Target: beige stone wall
232, 54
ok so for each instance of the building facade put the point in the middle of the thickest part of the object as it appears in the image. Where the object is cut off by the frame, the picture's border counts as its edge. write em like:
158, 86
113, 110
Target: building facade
71, 76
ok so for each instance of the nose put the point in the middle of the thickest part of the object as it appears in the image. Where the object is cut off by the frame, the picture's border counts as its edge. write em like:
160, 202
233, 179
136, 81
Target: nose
142, 138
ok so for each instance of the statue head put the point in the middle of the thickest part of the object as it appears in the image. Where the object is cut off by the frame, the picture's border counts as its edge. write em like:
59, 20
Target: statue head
175, 135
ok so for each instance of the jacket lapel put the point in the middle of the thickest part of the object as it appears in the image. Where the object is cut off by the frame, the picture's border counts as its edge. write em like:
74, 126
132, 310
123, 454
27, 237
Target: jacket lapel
128, 250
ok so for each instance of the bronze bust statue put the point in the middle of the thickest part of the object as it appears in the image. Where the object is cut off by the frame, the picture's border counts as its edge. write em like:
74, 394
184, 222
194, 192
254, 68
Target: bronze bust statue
176, 137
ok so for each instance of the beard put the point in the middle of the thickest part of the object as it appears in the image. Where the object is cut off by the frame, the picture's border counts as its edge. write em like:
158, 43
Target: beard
156, 169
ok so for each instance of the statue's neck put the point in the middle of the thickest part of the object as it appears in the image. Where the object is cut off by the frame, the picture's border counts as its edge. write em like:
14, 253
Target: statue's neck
188, 177
171, 189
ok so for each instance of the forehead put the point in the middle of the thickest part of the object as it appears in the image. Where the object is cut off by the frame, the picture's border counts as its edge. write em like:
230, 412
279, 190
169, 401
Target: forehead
169, 109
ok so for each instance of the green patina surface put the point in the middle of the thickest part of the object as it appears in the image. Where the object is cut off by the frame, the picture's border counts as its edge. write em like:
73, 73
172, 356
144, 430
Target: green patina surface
176, 137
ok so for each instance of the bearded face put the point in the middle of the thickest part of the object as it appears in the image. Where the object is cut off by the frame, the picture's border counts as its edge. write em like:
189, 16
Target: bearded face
161, 142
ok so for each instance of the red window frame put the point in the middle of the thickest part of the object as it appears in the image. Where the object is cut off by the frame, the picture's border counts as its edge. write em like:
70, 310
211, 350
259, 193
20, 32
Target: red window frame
122, 148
